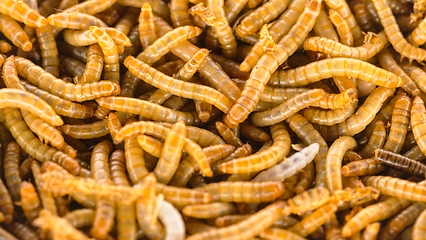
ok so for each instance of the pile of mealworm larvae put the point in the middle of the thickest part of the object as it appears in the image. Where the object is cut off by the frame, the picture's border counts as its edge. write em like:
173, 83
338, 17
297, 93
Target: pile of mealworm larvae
212, 119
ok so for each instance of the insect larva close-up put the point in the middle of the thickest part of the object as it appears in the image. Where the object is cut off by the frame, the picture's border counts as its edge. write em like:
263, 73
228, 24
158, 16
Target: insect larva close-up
191, 119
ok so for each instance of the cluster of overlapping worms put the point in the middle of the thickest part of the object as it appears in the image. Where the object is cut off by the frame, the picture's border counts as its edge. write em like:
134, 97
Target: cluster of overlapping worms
212, 119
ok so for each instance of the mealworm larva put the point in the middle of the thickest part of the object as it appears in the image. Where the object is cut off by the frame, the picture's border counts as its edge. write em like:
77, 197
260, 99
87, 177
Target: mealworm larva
399, 124
418, 35
342, 28
308, 200
419, 229
364, 115
394, 160
332, 67
146, 26
92, 130
5, 46
309, 135
150, 145
22, 231
48, 49
336, 49
377, 140
114, 124
172, 221
261, 160
94, 64
148, 110
73, 92
20, 11
314, 220
363, 17
350, 197
126, 216
30, 202
72, 67
269, 63
342, 8
209, 210
373, 213
249, 227
279, 233
387, 62
260, 16
109, 49
371, 231
183, 196
228, 135
396, 187
177, 87
80, 217
363, 167
405, 218
33, 146
25, 168
75, 20
323, 26
334, 162
394, 34
250, 131
251, 192
171, 153
11, 160
47, 200
14, 32
417, 121
289, 166
179, 13
58, 227
135, 161
7, 207
417, 74
288, 108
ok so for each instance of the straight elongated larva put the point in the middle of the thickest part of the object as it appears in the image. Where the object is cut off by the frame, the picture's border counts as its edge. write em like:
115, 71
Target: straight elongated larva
308, 200
209, 210
336, 49
394, 34
396, 187
183, 196
269, 63
251, 192
228, 135
287, 108
417, 122
334, 162
333, 67
177, 87
20, 11
75, 20
47, 200
400, 162
289, 166
249, 227
48, 49
11, 160
135, 161
261, 160
279, 233
73, 92
94, 64
362, 167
